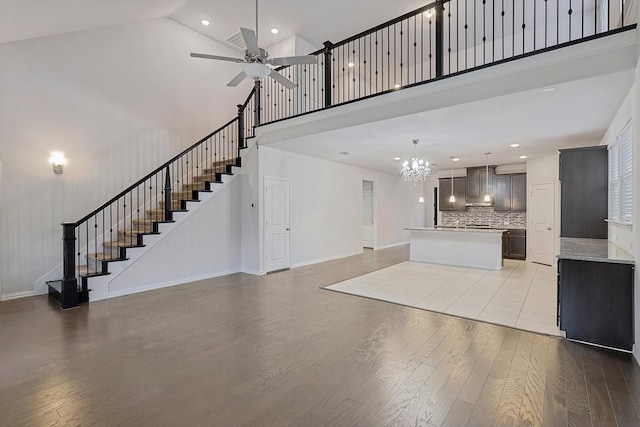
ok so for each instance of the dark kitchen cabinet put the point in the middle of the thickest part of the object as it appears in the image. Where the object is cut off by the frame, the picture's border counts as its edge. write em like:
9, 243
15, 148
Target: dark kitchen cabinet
595, 302
444, 192
510, 192
514, 244
477, 183
584, 192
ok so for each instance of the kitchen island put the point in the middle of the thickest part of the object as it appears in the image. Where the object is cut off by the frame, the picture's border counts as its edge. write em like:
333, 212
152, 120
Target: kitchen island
463, 247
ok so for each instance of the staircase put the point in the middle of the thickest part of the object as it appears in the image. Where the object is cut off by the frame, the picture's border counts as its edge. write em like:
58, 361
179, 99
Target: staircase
92, 245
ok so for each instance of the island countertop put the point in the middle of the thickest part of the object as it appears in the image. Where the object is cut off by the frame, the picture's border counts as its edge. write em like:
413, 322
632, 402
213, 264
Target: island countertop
598, 250
456, 230
474, 248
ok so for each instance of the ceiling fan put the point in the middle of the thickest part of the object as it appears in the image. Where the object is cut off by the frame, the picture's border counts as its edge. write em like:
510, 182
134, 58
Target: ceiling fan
257, 59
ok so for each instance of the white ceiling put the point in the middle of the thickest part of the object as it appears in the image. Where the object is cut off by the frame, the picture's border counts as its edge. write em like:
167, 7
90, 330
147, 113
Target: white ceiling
314, 20
575, 114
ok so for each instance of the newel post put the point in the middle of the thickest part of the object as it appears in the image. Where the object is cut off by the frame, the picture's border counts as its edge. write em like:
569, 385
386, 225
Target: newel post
69, 280
328, 46
168, 212
257, 103
241, 141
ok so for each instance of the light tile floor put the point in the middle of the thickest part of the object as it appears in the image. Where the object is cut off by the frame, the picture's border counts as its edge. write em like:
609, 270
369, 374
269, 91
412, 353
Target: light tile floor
521, 295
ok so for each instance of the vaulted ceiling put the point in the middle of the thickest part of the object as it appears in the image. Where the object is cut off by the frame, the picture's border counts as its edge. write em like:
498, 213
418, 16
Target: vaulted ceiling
374, 144
313, 20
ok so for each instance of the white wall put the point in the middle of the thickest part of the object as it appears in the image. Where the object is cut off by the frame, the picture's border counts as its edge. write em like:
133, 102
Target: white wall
119, 102
249, 211
326, 205
204, 245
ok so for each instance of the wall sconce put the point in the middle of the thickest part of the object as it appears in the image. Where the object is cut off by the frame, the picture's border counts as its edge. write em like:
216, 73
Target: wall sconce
57, 160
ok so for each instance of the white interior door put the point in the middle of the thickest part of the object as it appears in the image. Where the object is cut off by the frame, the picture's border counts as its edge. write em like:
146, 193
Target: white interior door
367, 214
277, 223
541, 210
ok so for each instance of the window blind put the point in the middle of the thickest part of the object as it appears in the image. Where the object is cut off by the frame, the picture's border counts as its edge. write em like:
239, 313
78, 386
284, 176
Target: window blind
626, 174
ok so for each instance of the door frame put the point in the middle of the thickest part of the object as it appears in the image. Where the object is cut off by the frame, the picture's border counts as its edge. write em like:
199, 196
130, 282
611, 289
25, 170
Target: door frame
265, 229
554, 215
374, 233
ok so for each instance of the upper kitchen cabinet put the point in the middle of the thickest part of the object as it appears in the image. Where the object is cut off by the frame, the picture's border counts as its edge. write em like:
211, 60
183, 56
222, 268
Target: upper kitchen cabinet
444, 192
477, 184
510, 192
584, 192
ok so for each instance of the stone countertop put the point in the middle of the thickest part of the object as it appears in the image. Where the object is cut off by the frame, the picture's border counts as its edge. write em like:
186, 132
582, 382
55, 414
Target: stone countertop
461, 230
600, 250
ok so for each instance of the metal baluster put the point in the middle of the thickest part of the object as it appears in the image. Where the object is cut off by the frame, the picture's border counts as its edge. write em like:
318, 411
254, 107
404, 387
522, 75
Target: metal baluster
513, 28
570, 12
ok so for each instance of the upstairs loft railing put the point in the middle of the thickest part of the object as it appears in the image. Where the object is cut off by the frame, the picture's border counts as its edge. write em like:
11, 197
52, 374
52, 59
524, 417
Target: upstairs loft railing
442, 39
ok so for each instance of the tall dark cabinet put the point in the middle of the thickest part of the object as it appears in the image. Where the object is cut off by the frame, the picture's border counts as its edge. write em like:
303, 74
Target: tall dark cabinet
510, 192
584, 192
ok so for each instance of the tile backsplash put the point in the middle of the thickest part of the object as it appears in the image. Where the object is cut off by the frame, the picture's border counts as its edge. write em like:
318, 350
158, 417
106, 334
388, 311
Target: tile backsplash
485, 215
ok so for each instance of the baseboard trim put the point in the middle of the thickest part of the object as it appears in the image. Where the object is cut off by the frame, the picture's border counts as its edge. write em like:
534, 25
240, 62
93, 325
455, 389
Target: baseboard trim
319, 260
16, 295
636, 353
394, 245
253, 272
169, 284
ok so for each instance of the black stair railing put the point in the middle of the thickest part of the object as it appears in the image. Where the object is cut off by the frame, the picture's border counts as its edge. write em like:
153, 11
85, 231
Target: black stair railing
104, 235
442, 39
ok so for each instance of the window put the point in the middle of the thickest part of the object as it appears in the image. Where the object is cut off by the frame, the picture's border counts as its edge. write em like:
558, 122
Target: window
621, 177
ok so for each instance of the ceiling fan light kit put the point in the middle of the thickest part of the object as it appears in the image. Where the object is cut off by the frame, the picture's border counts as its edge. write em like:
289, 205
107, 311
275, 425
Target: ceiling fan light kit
256, 60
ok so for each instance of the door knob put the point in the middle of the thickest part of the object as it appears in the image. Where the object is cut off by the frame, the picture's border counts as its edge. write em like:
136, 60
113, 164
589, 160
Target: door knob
287, 229
548, 228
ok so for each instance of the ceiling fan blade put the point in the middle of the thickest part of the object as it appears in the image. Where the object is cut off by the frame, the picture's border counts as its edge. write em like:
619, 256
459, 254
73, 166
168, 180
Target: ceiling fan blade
282, 80
251, 41
237, 79
294, 60
220, 58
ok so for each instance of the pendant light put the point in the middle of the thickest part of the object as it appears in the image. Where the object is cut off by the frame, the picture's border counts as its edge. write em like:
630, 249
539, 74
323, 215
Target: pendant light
421, 199
452, 198
487, 196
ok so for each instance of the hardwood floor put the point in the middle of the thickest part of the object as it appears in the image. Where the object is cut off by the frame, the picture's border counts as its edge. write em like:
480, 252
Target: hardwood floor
277, 350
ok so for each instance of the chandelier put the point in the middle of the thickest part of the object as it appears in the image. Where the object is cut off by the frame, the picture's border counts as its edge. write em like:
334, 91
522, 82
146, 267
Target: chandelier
416, 169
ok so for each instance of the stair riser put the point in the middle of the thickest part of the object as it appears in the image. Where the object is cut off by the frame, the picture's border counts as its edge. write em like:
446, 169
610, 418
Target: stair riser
94, 264
175, 205
155, 215
202, 178
182, 195
194, 186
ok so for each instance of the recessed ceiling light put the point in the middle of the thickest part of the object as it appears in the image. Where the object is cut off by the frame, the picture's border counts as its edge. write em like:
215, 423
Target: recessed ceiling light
523, 157
205, 22
396, 158
514, 145
351, 64
274, 31
549, 89
456, 159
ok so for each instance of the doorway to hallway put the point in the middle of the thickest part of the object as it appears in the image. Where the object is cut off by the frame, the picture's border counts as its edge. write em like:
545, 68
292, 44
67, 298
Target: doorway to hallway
368, 217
